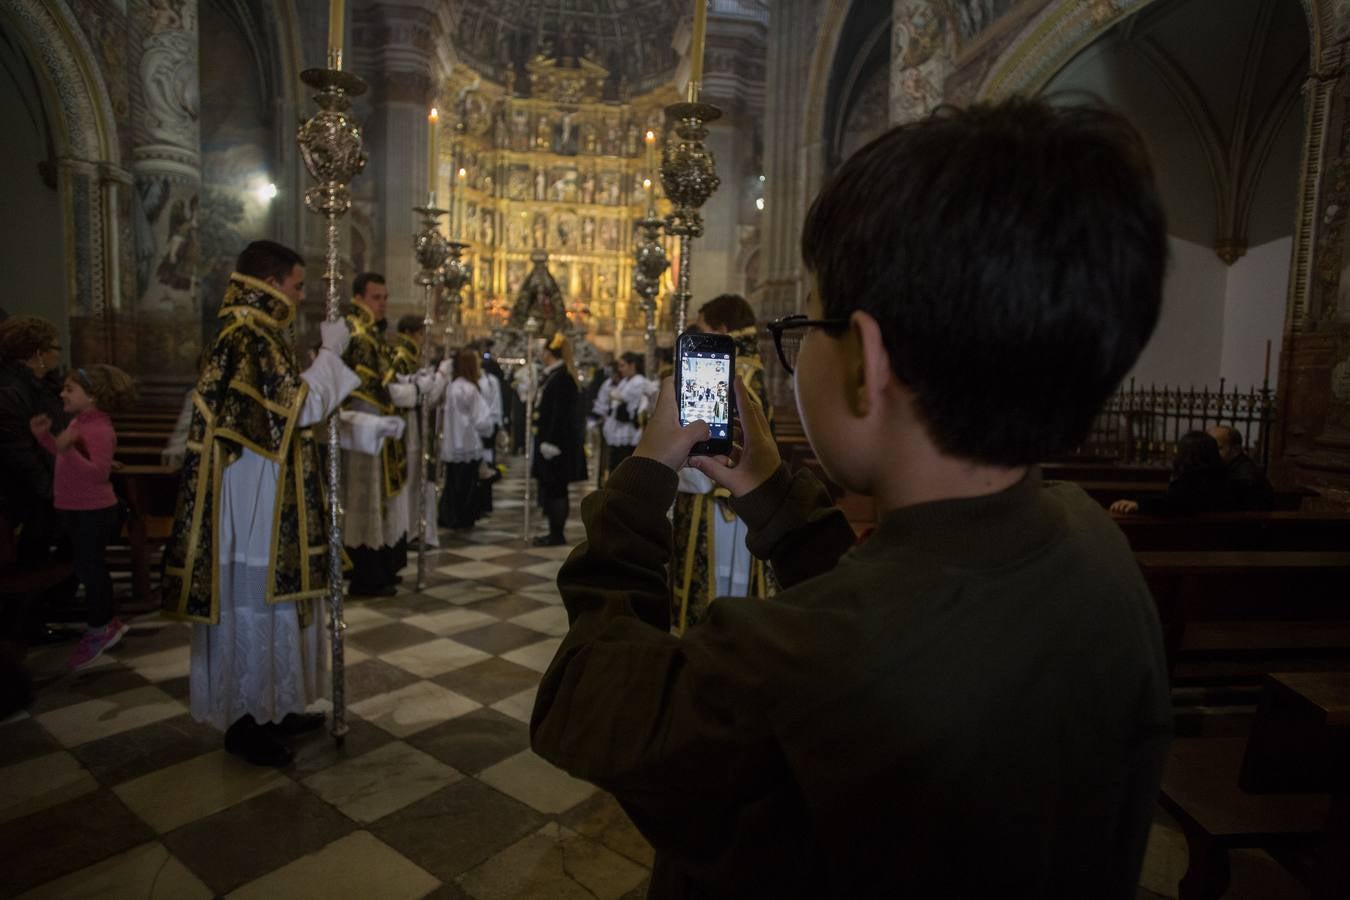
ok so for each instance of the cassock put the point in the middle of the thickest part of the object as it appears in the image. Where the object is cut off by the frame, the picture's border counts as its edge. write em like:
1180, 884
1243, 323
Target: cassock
248, 557
375, 505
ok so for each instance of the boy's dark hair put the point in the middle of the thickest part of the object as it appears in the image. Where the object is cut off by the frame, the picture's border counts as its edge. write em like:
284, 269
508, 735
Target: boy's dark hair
365, 278
267, 259
730, 311
637, 361
411, 323
1013, 255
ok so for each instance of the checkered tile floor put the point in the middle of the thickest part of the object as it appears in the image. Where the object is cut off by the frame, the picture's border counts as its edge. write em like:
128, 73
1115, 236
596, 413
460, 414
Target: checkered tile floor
109, 789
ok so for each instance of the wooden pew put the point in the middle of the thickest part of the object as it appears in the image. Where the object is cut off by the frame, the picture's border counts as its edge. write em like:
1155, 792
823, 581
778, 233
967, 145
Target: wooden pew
1283, 530
1242, 609
1107, 492
1290, 797
150, 492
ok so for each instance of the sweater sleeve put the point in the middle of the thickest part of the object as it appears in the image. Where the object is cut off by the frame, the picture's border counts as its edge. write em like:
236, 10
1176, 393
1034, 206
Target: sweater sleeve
665, 724
100, 443
47, 442
794, 526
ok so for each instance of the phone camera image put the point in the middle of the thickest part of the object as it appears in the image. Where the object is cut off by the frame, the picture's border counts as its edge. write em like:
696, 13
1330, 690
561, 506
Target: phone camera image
705, 386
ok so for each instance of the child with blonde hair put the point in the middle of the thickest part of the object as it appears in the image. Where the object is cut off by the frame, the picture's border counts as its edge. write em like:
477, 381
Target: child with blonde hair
83, 494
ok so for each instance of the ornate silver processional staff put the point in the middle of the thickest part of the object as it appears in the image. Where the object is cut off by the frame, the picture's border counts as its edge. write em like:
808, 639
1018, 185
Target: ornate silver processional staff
430, 246
688, 172
330, 144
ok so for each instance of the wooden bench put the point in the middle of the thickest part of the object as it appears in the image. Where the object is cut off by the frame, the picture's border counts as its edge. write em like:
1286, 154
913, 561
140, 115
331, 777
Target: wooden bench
1107, 492
1247, 608
150, 492
1269, 792
1283, 530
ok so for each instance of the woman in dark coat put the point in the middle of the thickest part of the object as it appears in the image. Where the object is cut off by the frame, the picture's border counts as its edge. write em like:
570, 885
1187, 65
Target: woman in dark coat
1197, 485
28, 353
559, 455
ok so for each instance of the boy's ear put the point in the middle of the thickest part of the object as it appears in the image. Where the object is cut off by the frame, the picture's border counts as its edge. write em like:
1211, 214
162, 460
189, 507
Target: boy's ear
873, 362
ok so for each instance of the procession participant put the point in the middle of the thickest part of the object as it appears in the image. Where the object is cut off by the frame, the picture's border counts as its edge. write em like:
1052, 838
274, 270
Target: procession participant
429, 385
374, 503
619, 404
559, 453
711, 559
248, 557
466, 419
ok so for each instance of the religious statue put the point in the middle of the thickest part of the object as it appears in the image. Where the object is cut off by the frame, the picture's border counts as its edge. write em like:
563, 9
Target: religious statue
540, 185
567, 142
487, 231
588, 188
589, 140
539, 232
543, 134
540, 296
520, 130
588, 233
630, 140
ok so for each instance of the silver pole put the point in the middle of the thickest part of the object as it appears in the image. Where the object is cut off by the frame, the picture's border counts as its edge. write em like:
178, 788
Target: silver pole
330, 144
531, 330
431, 249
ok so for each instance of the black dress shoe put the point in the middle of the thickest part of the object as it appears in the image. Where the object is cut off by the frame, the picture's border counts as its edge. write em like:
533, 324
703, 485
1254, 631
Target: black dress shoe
251, 742
295, 723
550, 540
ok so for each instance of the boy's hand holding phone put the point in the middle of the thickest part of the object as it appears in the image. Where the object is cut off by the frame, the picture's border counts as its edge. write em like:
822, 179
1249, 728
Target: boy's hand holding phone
753, 458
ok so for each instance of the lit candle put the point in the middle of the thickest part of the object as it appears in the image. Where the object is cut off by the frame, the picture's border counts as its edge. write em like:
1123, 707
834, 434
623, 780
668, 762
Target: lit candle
433, 127
335, 23
696, 46
650, 138
651, 198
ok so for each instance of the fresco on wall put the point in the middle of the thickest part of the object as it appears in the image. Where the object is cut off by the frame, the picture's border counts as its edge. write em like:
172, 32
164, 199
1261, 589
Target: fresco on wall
236, 203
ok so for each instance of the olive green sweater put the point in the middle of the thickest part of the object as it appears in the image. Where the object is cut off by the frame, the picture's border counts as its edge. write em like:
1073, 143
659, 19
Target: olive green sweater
972, 702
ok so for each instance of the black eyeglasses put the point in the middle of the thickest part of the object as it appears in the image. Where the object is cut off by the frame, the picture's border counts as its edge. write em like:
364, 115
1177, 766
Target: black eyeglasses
790, 326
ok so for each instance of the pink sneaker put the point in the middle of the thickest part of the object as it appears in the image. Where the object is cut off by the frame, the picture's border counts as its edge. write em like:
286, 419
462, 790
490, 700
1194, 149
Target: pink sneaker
95, 642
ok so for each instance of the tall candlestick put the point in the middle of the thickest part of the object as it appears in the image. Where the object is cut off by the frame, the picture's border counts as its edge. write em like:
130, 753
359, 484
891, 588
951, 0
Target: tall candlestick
335, 23
696, 46
651, 195
462, 175
433, 162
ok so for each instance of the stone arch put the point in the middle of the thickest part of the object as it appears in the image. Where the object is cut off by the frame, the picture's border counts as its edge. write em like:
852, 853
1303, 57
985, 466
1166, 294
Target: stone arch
1049, 40
89, 167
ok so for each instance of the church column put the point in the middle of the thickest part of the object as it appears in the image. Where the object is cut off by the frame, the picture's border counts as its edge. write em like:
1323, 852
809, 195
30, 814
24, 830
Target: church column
785, 170
923, 48
166, 162
402, 66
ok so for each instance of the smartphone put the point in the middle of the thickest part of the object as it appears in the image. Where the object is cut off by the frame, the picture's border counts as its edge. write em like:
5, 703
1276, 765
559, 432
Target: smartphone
705, 366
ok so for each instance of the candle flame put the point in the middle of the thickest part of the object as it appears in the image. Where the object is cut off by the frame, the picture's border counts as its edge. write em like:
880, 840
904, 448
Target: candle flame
433, 117
646, 182
651, 136
463, 172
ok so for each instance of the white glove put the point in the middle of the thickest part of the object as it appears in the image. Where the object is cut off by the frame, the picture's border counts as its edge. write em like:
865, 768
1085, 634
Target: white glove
334, 336
425, 381
392, 427
444, 368
549, 451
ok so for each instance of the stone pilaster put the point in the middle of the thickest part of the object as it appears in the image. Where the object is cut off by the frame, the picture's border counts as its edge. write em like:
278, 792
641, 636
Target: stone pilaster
397, 53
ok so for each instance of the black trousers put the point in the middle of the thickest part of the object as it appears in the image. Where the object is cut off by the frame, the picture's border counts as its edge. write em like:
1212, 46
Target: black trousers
553, 500
89, 531
460, 505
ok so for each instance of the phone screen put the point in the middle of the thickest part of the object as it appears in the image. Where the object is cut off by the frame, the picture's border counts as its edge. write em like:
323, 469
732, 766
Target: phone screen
705, 386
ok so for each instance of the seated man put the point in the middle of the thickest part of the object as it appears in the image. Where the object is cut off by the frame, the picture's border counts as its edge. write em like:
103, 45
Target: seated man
974, 701
1248, 487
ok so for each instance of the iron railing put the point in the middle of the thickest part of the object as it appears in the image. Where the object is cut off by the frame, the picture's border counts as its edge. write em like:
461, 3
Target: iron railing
1143, 424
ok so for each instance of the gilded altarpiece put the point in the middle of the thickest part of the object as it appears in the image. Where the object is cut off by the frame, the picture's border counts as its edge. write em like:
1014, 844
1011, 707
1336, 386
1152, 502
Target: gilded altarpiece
557, 168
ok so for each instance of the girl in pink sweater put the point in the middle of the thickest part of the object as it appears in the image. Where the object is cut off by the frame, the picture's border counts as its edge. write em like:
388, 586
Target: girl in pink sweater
83, 493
